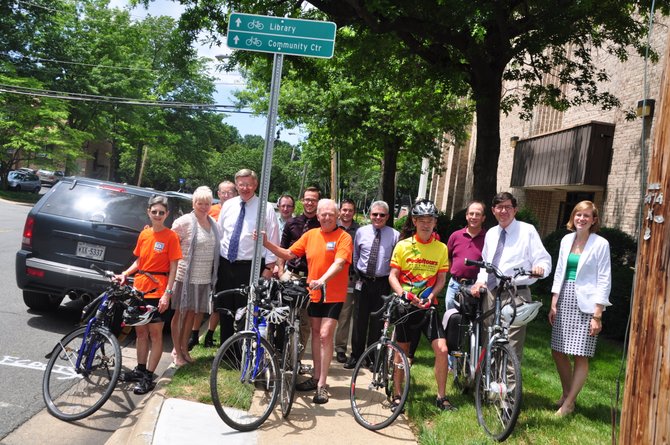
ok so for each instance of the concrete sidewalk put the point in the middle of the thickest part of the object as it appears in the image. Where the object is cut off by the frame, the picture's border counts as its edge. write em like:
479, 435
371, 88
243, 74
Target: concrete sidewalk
162, 421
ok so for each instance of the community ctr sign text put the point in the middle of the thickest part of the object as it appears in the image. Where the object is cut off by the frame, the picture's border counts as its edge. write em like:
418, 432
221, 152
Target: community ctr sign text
307, 38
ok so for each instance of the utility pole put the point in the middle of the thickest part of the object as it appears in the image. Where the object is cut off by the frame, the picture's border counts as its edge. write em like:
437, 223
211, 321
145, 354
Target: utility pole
645, 415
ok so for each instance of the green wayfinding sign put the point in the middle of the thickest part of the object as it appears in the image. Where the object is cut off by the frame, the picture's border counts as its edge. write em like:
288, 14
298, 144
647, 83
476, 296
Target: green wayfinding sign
307, 38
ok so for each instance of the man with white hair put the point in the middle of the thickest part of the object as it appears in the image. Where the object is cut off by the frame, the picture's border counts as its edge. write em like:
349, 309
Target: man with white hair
327, 250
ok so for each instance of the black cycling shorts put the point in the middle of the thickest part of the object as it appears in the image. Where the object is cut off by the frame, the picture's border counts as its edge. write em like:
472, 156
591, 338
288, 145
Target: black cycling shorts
416, 323
324, 310
157, 317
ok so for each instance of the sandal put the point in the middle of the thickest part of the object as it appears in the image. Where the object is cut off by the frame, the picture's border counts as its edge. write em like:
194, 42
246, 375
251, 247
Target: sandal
444, 404
395, 404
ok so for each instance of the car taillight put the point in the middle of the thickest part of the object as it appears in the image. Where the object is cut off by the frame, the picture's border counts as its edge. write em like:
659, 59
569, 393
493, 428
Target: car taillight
28, 231
31, 271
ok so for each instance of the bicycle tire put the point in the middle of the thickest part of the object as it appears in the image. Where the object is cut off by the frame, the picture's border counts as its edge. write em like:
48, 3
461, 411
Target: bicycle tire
499, 405
463, 380
372, 388
243, 401
289, 370
82, 392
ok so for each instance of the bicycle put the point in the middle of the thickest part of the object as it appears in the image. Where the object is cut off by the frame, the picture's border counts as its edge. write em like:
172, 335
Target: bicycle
377, 394
84, 366
491, 367
245, 377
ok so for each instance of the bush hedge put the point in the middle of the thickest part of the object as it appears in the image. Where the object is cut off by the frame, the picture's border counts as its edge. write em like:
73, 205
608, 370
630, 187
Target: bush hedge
623, 249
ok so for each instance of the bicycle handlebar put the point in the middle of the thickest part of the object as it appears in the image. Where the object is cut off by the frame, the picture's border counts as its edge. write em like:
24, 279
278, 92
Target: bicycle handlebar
490, 268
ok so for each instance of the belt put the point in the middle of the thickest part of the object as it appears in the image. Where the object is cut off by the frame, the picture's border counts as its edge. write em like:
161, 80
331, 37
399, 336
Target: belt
522, 287
369, 278
464, 281
238, 261
296, 271
152, 272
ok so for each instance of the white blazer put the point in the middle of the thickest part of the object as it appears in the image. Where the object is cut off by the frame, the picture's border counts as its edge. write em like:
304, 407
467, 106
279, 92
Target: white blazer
593, 281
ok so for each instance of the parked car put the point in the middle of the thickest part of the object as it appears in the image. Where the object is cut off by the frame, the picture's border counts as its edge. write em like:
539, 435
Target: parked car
80, 222
23, 181
50, 177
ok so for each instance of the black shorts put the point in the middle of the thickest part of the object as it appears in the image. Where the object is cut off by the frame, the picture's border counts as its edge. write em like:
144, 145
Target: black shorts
324, 310
416, 323
157, 317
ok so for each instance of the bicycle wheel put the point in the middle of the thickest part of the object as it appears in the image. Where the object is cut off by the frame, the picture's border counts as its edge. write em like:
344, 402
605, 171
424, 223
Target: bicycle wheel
244, 381
373, 386
463, 378
73, 392
289, 369
498, 405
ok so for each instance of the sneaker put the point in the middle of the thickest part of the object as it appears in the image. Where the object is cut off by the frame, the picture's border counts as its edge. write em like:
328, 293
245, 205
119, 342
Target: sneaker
308, 385
145, 385
341, 357
304, 369
444, 404
395, 404
321, 395
132, 376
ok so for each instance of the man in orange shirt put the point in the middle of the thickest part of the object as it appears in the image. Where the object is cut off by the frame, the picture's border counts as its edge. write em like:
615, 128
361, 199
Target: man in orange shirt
328, 251
225, 191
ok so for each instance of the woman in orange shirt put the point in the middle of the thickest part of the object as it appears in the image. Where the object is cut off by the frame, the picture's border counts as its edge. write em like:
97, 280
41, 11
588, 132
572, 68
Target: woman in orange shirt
157, 252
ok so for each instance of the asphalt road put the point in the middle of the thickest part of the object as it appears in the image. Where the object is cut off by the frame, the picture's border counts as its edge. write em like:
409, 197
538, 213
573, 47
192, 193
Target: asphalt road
25, 337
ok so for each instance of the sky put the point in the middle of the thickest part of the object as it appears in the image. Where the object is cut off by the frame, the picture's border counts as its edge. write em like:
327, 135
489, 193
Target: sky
226, 83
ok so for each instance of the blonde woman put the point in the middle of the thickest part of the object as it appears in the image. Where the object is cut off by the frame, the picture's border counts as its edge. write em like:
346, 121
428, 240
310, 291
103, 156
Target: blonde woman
579, 296
196, 271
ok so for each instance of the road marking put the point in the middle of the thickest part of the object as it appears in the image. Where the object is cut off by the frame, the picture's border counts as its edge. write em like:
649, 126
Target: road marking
17, 362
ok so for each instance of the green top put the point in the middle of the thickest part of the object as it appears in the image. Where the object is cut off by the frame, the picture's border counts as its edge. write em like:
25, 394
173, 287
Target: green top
571, 269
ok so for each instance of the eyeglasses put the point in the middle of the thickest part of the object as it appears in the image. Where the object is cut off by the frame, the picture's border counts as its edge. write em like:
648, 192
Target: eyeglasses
505, 208
308, 200
227, 193
158, 212
378, 215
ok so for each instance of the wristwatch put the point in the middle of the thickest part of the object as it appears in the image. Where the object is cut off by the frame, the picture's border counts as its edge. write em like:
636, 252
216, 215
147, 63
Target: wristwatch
168, 291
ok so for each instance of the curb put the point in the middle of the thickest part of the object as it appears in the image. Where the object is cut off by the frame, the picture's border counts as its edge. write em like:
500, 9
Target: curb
140, 425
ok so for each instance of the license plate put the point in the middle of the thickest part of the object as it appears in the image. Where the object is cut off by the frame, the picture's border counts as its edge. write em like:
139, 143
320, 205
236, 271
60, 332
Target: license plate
92, 251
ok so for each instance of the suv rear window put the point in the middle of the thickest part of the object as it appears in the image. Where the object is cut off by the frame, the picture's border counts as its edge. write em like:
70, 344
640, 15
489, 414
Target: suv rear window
102, 204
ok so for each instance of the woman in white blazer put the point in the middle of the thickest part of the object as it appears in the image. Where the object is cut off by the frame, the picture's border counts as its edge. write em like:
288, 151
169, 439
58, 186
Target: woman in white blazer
579, 295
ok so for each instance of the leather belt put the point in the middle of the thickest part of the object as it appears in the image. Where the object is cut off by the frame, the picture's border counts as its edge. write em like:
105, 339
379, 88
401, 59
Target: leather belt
463, 281
522, 287
369, 278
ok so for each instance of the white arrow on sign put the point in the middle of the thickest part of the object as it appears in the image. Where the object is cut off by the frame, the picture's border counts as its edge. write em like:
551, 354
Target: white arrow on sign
238, 21
236, 39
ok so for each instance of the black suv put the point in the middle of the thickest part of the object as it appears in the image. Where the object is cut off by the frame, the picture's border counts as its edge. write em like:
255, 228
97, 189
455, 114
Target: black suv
80, 222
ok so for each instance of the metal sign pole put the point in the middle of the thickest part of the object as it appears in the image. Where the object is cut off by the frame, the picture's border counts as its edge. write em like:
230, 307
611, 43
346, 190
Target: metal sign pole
265, 177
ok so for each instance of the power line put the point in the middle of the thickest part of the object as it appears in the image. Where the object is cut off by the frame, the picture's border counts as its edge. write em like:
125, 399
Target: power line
37, 6
34, 92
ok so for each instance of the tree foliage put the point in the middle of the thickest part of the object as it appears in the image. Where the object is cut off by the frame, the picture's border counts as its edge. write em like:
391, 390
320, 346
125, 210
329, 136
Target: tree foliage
485, 42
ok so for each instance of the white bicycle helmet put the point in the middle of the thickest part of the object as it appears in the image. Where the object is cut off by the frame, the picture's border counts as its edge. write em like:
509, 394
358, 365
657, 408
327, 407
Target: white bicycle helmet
138, 315
424, 207
525, 313
278, 314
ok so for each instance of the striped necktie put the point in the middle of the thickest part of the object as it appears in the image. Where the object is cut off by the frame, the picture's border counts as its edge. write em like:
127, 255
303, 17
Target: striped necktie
371, 268
493, 281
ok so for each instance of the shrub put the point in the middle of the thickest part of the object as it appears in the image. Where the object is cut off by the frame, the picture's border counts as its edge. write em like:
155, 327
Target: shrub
623, 249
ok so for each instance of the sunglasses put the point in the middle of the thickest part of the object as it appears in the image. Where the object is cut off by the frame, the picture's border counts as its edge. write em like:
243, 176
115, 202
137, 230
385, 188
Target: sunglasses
158, 212
378, 215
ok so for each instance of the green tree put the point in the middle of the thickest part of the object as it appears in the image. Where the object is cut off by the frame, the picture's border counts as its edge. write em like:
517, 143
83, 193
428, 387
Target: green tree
485, 42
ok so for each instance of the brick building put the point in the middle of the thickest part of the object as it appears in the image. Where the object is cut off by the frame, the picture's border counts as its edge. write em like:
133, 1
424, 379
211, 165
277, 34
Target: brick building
560, 158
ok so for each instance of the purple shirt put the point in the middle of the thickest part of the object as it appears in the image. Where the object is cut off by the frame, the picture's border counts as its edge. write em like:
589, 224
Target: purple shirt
461, 246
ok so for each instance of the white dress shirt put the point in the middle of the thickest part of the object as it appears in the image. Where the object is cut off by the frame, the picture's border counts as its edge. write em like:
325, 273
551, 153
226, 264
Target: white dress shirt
523, 248
230, 210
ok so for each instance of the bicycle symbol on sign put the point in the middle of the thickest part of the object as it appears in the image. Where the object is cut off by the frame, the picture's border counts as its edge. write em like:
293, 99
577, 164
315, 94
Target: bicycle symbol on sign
254, 41
255, 24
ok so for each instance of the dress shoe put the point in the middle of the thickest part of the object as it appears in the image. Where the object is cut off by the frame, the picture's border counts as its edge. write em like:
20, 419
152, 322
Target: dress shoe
341, 357
351, 363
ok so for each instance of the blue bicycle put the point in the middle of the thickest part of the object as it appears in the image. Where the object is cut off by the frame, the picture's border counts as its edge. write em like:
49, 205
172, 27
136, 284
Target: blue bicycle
84, 366
245, 378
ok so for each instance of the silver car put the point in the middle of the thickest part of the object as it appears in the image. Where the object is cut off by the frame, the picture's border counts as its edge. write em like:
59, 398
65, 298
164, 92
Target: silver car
23, 181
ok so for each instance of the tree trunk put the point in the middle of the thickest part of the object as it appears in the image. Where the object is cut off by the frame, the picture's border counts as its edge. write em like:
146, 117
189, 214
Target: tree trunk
139, 148
389, 167
646, 403
486, 91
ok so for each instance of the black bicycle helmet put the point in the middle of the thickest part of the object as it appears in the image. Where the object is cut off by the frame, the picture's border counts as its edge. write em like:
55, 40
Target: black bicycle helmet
424, 207
138, 315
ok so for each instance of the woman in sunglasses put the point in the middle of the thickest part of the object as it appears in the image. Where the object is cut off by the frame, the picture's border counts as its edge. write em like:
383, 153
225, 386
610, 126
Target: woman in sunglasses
158, 252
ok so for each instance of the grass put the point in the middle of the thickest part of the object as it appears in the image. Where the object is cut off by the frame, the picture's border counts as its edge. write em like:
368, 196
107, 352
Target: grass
589, 424
9, 195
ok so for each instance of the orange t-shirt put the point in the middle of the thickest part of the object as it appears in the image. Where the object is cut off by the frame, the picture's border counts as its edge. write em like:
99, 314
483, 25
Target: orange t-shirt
321, 249
155, 250
214, 211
